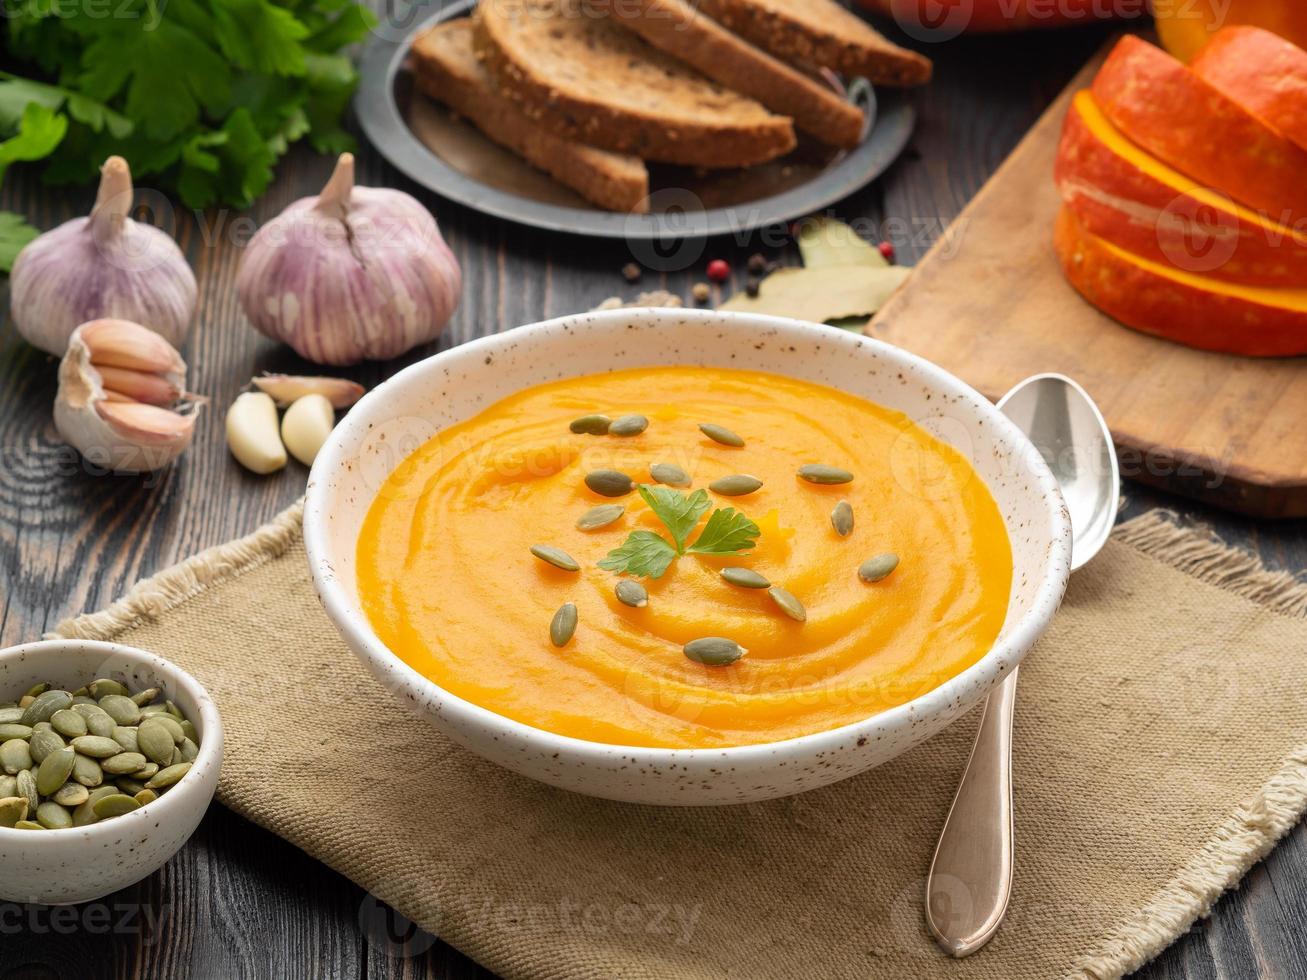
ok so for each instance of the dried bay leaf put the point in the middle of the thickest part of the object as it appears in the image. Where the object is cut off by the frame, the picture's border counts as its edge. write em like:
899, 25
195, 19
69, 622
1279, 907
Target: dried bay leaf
827, 242
822, 293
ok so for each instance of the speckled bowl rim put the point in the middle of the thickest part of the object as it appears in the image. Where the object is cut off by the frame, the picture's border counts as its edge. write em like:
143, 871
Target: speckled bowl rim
998, 660
160, 809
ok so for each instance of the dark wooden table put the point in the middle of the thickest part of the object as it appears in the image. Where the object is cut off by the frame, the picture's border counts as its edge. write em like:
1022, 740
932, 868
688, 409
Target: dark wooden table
238, 901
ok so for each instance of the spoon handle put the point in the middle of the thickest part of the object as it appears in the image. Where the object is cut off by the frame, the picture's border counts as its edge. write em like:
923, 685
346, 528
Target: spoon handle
971, 874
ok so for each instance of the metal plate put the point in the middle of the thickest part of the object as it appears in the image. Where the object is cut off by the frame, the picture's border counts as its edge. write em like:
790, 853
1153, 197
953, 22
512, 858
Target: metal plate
676, 200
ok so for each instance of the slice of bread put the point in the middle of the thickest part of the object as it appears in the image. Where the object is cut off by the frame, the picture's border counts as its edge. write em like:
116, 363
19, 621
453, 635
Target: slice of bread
582, 76
447, 69
823, 34
674, 26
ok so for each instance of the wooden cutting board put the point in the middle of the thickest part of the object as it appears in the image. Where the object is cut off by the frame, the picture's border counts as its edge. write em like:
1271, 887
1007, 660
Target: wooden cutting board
988, 302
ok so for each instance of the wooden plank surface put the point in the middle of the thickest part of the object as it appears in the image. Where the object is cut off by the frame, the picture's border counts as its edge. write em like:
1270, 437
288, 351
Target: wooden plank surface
989, 303
238, 901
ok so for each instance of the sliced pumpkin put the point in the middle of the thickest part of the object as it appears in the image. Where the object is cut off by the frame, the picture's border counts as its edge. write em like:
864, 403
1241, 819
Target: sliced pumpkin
1261, 71
1178, 117
1180, 306
1122, 193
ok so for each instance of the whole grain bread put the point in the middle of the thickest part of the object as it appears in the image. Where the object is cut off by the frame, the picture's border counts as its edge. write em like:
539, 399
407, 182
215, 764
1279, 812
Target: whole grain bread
674, 26
823, 34
447, 69
582, 76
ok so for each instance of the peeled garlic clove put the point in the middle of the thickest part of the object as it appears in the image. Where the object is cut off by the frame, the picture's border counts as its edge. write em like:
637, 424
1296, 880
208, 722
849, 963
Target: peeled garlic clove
103, 265
357, 273
286, 388
115, 429
306, 426
252, 433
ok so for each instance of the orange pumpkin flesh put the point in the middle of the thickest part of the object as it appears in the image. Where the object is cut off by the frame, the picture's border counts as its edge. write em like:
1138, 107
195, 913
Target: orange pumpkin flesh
1264, 73
1122, 194
1187, 308
1164, 107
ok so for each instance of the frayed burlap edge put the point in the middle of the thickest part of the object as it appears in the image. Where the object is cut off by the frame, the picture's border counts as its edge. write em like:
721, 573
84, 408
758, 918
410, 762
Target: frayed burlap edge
152, 597
1243, 840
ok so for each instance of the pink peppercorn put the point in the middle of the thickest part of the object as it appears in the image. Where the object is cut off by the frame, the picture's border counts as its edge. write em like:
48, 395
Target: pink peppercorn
886, 250
719, 270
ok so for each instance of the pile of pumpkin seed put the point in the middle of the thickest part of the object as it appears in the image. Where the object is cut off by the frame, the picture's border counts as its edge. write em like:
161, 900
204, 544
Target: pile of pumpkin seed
712, 651
69, 759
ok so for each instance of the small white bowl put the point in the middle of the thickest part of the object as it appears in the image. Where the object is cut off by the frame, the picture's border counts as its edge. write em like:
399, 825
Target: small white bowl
80, 864
401, 414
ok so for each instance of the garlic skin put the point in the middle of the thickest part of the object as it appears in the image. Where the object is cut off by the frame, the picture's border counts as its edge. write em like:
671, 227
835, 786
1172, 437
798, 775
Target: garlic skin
356, 273
288, 388
105, 265
122, 401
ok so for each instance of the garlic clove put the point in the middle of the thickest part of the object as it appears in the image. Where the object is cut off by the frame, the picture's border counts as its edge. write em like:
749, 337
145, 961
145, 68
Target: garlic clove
148, 425
252, 433
111, 426
286, 388
138, 386
103, 265
306, 426
124, 344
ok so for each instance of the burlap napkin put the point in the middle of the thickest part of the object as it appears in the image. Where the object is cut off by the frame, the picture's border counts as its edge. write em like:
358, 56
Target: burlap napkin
1160, 751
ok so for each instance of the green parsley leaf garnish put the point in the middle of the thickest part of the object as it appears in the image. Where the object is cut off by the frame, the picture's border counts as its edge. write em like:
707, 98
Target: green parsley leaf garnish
14, 234
679, 513
642, 553
728, 532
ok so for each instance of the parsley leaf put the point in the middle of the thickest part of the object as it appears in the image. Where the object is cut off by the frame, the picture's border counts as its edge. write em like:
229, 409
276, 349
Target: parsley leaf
642, 553
728, 532
39, 132
679, 513
14, 234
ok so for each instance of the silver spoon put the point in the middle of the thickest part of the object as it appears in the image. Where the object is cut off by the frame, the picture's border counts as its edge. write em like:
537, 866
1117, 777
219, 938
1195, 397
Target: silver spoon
971, 874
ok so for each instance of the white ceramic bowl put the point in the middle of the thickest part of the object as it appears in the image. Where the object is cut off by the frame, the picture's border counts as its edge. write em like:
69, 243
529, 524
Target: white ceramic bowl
401, 414
58, 867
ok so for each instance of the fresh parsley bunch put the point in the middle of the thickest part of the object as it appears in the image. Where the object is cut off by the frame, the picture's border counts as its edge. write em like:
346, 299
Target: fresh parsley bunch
204, 94
727, 532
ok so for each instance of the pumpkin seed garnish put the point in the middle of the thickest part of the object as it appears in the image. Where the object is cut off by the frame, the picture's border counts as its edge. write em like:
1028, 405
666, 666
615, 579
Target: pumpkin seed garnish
15, 756
87, 772
877, 567
28, 825
824, 475
721, 434
745, 578
714, 651
101, 686
736, 485
628, 425
154, 742
10, 716
143, 698
43, 743
841, 518
669, 474
25, 786
124, 764
561, 629
546, 553
632, 593
601, 516
591, 425
609, 483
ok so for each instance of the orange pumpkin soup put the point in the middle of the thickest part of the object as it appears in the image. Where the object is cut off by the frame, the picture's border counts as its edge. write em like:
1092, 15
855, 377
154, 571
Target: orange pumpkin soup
449, 582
